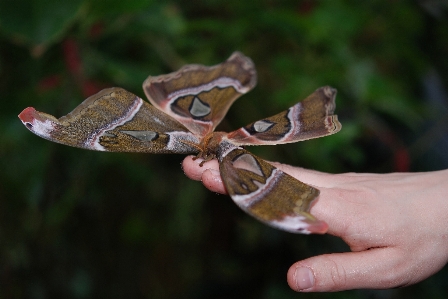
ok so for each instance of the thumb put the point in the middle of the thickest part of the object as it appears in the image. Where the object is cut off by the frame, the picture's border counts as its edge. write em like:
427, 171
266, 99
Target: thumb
377, 268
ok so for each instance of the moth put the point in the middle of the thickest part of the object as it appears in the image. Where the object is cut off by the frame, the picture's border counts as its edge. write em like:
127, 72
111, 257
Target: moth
187, 105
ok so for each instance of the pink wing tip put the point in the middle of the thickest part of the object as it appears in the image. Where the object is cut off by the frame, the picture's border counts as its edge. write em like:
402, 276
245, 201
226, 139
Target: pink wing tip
28, 115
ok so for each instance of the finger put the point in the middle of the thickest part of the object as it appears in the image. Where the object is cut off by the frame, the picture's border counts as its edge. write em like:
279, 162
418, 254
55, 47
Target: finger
322, 179
378, 268
208, 173
339, 200
194, 171
336, 207
211, 179
311, 177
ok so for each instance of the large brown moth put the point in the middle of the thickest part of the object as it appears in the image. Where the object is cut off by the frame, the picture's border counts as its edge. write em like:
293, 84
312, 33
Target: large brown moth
187, 107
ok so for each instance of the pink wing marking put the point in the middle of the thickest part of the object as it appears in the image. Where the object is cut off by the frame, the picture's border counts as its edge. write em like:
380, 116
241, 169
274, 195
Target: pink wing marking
221, 82
302, 224
242, 136
294, 111
35, 123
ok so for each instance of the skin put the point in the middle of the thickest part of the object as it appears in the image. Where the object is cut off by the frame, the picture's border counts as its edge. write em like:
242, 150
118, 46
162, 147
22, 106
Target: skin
395, 225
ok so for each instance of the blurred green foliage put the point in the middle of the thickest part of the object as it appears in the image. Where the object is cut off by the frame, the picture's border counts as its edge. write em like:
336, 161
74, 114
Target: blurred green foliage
81, 224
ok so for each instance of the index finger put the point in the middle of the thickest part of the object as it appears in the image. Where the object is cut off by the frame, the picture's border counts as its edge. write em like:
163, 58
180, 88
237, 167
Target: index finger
208, 173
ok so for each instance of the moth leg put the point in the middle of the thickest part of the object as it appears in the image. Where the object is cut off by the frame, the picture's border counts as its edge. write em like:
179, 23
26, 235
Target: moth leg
206, 158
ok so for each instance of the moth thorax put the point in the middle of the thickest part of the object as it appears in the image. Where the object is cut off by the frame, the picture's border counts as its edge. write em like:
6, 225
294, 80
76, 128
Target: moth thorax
211, 141
209, 146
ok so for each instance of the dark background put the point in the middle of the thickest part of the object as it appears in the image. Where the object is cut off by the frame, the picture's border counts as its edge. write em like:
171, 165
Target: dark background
83, 224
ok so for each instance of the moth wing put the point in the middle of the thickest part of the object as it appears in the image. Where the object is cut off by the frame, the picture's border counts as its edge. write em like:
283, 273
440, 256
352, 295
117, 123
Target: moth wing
113, 120
311, 118
200, 96
267, 193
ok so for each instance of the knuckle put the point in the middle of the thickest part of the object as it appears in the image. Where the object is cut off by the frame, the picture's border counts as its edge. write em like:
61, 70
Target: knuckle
397, 273
335, 276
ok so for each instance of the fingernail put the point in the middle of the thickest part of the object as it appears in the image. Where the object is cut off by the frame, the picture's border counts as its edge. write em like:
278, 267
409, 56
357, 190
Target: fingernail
304, 278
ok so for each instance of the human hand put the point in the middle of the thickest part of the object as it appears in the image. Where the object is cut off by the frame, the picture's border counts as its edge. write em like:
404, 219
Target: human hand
395, 225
